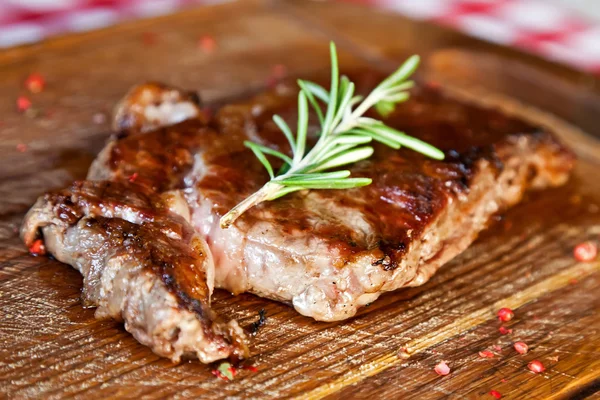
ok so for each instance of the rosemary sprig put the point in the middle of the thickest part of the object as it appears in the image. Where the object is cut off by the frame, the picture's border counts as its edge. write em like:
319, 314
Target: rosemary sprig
343, 137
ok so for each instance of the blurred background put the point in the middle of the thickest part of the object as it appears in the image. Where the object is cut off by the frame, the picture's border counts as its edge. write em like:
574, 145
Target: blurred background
567, 31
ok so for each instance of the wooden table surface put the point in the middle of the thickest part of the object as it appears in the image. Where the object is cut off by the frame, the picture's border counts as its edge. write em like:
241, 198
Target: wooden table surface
51, 347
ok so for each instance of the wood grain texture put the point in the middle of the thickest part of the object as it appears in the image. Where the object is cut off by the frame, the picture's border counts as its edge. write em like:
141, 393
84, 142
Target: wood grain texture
51, 347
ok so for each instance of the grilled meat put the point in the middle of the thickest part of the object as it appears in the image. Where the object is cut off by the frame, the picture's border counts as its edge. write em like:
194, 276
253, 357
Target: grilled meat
329, 252
145, 248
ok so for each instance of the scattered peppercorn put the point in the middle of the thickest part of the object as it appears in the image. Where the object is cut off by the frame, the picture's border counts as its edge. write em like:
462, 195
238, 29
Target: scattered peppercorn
433, 84
35, 83
496, 394
521, 347
403, 353
219, 375
37, 248
486, 354
250, 368
21, 147
505, 314
585, 252
133, 177
232, 371
536, 366
23, 103
207, 44
505, 331
227, 371
279, 70
99, 118
271, 82
442, 368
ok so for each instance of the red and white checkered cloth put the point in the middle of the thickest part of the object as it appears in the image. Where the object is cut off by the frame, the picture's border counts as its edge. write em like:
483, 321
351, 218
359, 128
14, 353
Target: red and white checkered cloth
29, 21
537, 26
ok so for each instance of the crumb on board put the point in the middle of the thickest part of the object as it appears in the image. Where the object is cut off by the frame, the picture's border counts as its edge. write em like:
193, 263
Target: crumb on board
262, 319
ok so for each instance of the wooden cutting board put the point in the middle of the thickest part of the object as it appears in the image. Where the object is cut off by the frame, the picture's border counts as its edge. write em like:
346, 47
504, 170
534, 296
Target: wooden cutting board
51, 347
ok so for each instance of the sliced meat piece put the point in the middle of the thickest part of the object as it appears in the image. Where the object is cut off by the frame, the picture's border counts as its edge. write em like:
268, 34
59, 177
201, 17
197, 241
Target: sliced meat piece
330, 252
141, 264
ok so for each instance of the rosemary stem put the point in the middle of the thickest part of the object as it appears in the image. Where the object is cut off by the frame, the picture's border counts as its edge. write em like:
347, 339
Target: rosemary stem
347, 124
367, 103
268, 190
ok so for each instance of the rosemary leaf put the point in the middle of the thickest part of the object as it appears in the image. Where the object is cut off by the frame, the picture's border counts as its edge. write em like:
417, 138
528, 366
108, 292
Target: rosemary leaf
411, 142
320, 175
346, 157
261, 157
402, 73
378, 137
315, 89
346, 183
353, 139
333, 93
302, 127
268, 150
281, 124
397, 98
304, 86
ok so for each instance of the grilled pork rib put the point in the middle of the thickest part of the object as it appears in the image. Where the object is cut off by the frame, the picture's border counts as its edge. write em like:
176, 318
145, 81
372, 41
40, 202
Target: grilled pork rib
329, 252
